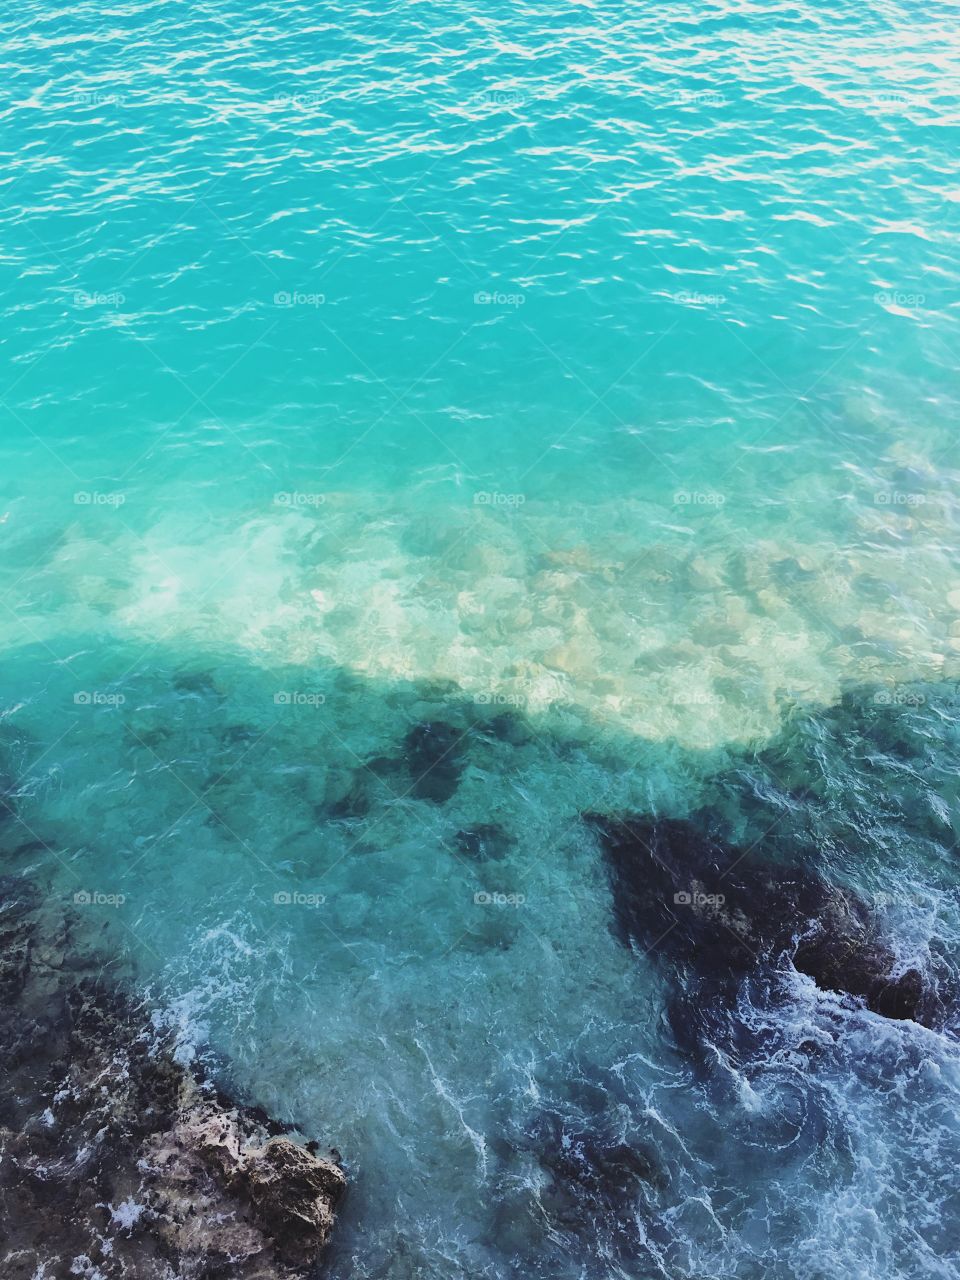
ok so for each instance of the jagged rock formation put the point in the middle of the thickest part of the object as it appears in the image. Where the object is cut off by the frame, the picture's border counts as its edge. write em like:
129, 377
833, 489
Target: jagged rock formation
718, 914
116, 1161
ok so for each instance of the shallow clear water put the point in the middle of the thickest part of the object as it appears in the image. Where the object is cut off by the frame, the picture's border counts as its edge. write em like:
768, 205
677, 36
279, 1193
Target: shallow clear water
582, 379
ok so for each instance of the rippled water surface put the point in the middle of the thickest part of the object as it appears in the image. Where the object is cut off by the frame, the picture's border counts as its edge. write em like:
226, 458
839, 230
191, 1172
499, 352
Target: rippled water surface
422, 427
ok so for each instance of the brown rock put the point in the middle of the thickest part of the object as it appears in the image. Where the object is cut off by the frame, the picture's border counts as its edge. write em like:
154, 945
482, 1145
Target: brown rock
293, 1192
116, 1155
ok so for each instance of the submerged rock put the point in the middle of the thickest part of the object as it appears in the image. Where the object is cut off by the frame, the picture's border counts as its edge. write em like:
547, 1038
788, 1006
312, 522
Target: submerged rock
683, 892
585, 1177
434, 754
483, 842
508, 727
115, 1159
592, 1167
198, 684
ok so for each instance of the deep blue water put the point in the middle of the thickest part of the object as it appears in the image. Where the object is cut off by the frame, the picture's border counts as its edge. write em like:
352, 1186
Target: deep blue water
573, 386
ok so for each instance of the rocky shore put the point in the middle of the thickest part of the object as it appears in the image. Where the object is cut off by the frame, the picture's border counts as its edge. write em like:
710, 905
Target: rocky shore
716, 916
116, 1160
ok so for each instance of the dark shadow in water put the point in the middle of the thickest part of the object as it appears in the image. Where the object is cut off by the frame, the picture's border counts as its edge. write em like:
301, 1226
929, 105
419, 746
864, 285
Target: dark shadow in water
771, 876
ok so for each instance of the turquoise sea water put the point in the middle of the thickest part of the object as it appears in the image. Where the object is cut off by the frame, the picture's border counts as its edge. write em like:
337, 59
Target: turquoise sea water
578, 382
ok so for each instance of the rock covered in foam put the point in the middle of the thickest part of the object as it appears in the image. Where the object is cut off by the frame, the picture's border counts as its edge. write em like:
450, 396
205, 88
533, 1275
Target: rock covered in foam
718, 913
115, 1159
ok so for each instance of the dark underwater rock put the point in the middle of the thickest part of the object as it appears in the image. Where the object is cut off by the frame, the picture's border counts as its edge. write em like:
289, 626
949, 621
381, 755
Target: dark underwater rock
198, 684
508, 727
435, 758
349, 797
239, 734
588, 1180
18, 900
115, 1159
844, 953
593, 1167
483, 842
716, 912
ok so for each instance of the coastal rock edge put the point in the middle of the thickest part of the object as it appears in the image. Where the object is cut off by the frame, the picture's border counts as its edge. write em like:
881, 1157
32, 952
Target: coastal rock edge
116, 1159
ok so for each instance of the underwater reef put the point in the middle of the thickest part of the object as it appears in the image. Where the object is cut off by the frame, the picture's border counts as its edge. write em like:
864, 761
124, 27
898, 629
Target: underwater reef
702, 903
615, 1016
118, 1160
